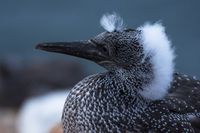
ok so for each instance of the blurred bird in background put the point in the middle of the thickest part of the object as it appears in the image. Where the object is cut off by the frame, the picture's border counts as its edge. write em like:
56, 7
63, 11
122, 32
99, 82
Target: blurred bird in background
42, 114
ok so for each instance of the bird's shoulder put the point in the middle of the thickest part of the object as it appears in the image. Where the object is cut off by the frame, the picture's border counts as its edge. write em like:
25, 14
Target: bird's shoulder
184, 94
182, 100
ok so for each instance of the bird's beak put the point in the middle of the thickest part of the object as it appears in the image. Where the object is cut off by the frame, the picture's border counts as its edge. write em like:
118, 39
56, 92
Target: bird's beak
83, 49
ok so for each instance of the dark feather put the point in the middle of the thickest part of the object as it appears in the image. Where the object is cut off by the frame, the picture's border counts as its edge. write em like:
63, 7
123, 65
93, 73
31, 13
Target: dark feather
195, 122
184, 95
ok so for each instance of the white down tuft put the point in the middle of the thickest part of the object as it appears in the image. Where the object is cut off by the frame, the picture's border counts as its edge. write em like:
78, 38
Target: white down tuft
112, 22
156, 44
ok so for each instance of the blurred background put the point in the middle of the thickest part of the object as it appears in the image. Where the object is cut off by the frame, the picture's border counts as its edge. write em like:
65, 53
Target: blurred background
31, 79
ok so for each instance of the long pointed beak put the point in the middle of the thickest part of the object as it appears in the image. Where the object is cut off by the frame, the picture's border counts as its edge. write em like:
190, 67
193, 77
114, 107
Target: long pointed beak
83, 49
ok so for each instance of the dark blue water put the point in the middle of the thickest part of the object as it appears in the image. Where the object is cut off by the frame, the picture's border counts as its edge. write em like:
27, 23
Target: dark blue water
23, 23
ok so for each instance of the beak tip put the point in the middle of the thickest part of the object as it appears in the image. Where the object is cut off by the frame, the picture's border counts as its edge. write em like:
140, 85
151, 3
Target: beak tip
40, 46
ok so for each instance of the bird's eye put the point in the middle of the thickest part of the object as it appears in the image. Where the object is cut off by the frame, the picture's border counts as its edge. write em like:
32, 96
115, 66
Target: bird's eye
104, 49
100, 46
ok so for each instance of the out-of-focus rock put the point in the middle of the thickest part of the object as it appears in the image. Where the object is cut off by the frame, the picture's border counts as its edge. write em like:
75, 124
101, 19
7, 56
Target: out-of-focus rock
57, 129
20, 79
7, 121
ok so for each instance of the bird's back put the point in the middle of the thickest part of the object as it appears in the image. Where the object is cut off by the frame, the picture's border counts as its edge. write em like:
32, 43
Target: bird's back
179, 111
184, 95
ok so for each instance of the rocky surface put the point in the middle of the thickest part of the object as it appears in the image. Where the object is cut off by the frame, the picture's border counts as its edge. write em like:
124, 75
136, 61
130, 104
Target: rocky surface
57, 129
7, 120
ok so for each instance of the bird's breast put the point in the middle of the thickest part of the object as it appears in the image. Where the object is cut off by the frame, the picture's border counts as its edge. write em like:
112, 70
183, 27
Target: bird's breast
93, 105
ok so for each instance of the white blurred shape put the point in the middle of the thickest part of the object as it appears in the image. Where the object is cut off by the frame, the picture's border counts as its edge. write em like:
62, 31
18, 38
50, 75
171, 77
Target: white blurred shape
40, 114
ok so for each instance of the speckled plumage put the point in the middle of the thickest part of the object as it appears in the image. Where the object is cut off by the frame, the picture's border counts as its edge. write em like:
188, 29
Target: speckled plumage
126, 98
93, 106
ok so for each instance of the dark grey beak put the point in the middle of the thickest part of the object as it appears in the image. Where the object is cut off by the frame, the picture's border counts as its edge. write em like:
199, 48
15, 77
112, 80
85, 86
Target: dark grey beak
83, 49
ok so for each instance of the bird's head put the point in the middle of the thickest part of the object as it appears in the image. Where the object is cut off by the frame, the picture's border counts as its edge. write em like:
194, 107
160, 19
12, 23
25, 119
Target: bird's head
115, 48
124, 49
109, 49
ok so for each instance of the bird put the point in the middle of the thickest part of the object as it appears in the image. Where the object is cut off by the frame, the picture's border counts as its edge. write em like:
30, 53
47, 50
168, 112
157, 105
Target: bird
33, 113
139, 92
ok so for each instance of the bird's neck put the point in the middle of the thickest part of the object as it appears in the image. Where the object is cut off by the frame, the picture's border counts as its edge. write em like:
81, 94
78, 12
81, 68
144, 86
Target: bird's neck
127, 84
150, 79
123, 88
137, 77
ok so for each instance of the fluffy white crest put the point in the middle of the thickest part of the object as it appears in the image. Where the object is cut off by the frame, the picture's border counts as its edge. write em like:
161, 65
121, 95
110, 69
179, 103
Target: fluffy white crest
156, 43
112, 22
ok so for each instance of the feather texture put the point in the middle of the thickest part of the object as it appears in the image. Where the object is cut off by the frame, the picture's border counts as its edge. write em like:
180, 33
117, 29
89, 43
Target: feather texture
112, 22
157, 45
